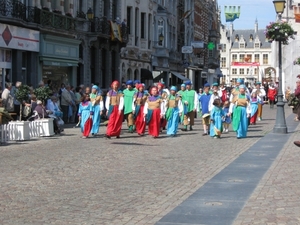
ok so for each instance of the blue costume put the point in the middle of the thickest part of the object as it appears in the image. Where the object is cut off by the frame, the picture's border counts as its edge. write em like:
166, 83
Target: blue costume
227, 119
240, 120
216, 115
85, 110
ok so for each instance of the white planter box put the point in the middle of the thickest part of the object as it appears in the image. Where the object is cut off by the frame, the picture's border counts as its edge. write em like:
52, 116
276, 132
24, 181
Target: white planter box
18, 130
42, 127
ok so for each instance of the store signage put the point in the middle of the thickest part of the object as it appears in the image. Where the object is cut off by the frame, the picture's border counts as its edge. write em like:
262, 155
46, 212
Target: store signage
245, 64
197, 44
186, 49
13, 37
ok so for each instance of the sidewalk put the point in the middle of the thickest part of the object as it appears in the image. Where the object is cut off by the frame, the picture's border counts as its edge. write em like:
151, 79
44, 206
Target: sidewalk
274, 199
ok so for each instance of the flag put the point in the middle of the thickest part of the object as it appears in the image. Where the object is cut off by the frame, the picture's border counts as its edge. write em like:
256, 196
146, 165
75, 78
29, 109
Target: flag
232, 13
115, 31
297, 14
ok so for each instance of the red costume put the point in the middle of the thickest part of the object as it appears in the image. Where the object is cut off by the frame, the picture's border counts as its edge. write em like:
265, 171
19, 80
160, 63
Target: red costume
140, 123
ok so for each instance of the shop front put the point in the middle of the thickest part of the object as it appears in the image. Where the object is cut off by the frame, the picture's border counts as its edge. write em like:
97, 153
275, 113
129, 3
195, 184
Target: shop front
19, 49
59, 60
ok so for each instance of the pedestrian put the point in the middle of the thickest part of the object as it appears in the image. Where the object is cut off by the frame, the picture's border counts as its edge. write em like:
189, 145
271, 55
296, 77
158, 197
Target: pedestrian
85, 112
272, 93
190, 99
163, 94
241, 112
204, 100
215, 95
140, 99
114, 104
216, 119
227, 119
129, 93
154, 112
260, 91
254, 101
180, 94
7, 98
66, 102
174, 110
98, 107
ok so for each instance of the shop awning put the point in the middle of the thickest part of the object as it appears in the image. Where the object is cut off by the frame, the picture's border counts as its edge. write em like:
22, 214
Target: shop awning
157, 74
180, 76
146, 74
58, 62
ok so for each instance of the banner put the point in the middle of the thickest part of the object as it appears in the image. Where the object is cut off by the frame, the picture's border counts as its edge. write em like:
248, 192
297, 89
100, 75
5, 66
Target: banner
297, 14
115, 31
245, 64
232, 13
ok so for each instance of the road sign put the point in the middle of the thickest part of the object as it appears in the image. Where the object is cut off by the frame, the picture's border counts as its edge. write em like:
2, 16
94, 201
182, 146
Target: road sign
187, 49
197, 44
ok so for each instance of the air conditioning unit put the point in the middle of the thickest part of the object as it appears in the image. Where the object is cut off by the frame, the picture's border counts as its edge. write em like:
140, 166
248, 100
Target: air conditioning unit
204, 75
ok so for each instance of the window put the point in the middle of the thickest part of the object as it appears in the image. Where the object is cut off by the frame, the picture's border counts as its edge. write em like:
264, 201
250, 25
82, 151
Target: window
256, 58
143, 25
242, 58
224, 48
210, 53
223, 62
234, 57
136, 26
257, 45
242, 45
242, 71
149, 30
265, 59
129, 9
234, 71
255, 71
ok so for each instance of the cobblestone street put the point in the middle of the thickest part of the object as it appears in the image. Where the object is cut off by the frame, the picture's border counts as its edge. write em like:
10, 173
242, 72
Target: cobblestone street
132, 180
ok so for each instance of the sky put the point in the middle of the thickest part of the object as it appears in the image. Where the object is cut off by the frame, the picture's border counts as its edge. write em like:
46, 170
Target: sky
263, 10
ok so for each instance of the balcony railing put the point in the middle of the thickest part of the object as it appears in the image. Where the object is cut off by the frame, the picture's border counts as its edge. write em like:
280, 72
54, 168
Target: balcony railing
101, 25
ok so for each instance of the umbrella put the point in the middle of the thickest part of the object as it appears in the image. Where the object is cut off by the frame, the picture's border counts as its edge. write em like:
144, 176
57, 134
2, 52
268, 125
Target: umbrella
87, 127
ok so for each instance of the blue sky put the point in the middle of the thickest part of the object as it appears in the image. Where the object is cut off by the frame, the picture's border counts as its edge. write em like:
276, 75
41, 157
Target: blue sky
263, 10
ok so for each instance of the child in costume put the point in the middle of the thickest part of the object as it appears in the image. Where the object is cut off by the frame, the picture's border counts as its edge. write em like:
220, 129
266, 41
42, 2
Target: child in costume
97, 103
85, 111
254, 102
174, 110
216, 117
154, 112
227, 118
140, 99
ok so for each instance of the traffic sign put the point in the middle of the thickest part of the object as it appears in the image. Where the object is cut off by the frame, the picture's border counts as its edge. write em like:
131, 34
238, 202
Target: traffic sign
187, 49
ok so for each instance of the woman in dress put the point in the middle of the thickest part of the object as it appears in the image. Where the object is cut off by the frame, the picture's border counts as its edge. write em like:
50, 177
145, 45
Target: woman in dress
216, 117
154, 112
85, 112
140, 99
114, 104
97, 103
174, 111
254, 101
241, 113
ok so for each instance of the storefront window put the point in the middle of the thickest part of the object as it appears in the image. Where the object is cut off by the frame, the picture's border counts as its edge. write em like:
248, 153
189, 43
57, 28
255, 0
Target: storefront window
57, 75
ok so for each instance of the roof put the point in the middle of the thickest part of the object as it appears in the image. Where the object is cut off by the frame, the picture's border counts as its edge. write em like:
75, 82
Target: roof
246, 34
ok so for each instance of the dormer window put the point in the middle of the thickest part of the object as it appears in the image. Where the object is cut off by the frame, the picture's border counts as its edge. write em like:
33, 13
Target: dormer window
251, 37
237, 37
257, 45
242, 45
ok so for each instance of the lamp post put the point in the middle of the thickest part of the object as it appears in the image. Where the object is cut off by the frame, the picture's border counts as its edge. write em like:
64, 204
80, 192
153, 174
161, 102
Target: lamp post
90, 16
161, 39
280, 124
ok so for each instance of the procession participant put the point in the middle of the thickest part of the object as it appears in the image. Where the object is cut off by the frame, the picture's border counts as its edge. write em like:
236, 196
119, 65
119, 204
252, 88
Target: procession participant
174, 110
180, 94
85, 111
136, 83
114, 104
190, 99
153, 112
223, 92
129, 93
140, 98
254, 101
235, 90
200, 93
163, 94
215, 95
260, 91
227, 119
98, 107
241, 112
272, 93
204, 100
216, 117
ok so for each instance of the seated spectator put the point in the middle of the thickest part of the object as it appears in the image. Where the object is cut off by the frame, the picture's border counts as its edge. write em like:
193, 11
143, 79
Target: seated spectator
5, 117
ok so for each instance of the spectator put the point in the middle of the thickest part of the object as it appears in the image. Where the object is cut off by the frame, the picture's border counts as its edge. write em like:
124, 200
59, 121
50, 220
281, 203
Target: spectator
7, 98
66, 101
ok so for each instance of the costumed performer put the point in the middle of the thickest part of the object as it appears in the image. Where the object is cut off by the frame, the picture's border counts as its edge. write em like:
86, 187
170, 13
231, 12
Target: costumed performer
204, 100
97, 103
260, 91
216, 118
85, 111
140, 99
129, 93
254, 101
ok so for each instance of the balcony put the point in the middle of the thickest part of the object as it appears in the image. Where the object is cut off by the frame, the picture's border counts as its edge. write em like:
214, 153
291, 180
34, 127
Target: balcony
213, 63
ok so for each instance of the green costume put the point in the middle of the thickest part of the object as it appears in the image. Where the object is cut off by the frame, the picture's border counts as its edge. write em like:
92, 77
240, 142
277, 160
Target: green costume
128, 102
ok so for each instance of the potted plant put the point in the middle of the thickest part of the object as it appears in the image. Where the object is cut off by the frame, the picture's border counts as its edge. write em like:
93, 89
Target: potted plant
279, 31
42, 93
297, 61
21, 128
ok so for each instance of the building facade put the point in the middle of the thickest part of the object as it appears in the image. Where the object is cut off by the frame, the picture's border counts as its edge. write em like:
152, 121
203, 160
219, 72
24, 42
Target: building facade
246, 54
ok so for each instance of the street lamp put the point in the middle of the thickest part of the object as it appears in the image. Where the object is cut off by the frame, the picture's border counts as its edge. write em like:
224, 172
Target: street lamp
280, 124
161, 38
90, 14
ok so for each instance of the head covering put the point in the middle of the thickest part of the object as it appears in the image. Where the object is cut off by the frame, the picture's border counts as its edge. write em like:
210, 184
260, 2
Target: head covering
39, 102
239, 81
139, 86
161, 84
207, 85
215, 84
136, 82
95, 87
258, 83
143, 84
173, 88
242, 86
188, 82
183, 85
115, 82
129, 82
